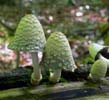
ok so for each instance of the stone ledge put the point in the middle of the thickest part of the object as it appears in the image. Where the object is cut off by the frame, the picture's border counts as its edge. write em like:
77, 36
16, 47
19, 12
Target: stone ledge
47, 90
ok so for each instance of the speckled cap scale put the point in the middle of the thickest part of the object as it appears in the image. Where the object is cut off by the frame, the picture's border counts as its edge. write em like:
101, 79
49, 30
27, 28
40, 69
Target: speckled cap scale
57, 53
29, 35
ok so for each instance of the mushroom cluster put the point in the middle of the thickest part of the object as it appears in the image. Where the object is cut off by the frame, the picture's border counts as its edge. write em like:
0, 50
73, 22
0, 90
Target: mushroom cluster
99, 68
98, 51
57, 56
29, 37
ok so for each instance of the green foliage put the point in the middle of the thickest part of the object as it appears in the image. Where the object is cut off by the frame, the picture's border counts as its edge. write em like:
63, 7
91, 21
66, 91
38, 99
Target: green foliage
88, 60
104, 29
106, 40
44, 9
7, 2
87, 2
3, 34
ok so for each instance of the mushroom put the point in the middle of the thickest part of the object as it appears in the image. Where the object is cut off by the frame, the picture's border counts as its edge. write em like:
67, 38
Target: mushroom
30, 37
98, 51
94, 48
57, 56
98, 70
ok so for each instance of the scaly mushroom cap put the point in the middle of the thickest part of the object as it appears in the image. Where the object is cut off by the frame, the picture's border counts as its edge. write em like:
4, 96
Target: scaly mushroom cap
29, 35
98, 70
57, 53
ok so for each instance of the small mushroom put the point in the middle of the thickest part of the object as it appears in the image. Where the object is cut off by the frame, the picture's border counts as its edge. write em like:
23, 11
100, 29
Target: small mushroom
94, 48
30, 37
57, 56
98, 51
98, 70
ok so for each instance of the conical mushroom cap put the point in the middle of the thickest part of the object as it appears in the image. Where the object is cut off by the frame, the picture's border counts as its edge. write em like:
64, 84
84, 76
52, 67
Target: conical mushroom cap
98, 70
29, 35
94, 49
57, 53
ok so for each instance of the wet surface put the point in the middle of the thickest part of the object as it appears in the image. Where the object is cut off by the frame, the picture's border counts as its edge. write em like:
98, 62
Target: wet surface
78, 93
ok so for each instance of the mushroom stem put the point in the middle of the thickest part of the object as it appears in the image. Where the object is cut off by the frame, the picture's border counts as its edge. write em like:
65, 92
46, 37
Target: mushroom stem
17, 59
55, 76
36, 75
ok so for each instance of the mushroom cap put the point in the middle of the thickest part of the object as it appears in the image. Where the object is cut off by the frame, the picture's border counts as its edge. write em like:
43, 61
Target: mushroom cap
98, 70
57, 53
29, 35
94, 48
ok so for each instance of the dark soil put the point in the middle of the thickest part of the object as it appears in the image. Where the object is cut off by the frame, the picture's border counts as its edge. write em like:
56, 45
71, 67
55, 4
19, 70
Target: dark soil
20, 77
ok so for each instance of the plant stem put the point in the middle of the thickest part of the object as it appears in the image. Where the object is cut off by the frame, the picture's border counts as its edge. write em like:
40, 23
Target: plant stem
21, 9
55, 76
36, 75
17, 59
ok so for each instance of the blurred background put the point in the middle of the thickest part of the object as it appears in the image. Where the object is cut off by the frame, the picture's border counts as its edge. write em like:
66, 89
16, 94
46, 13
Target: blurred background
82, 21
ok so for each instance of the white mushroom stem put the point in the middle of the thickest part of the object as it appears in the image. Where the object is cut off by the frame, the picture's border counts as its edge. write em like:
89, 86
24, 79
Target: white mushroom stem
36, 75
17, 59
55, 76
